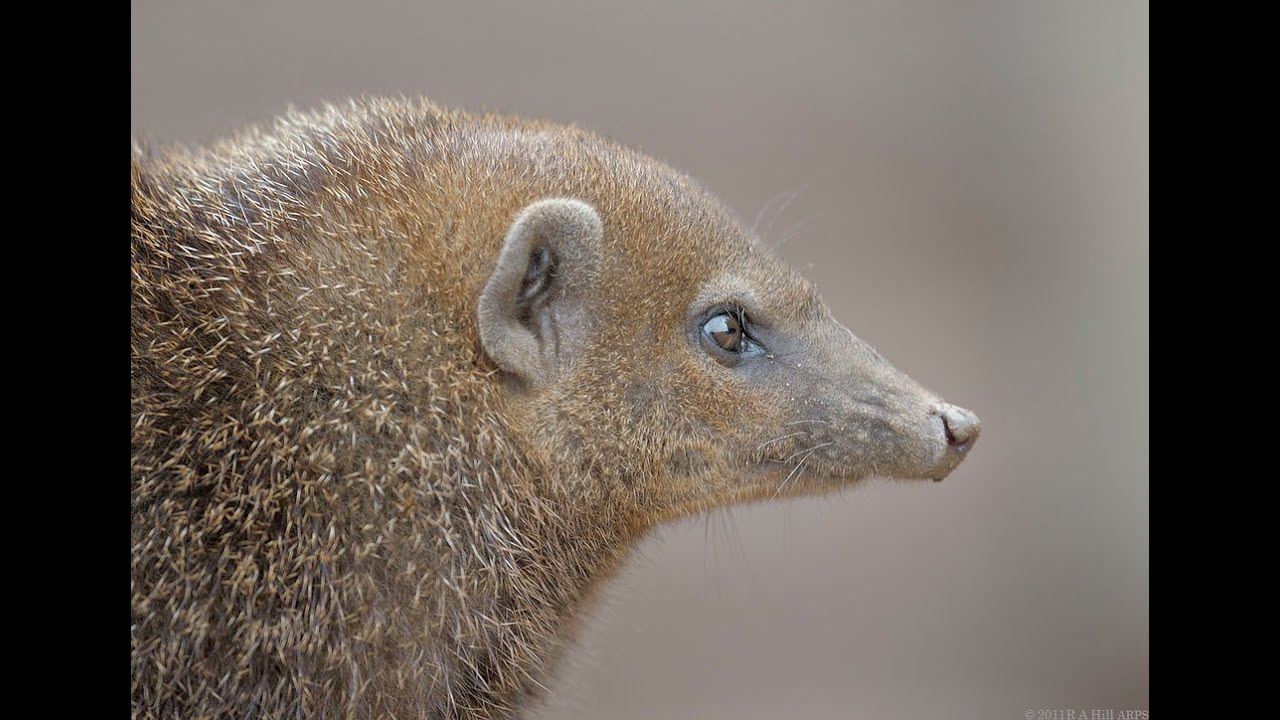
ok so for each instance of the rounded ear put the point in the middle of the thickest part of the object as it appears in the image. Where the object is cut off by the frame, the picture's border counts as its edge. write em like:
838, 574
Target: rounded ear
532, 308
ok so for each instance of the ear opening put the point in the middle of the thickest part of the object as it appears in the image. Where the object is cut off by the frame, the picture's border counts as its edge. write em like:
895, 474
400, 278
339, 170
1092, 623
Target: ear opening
537, 278
530, 308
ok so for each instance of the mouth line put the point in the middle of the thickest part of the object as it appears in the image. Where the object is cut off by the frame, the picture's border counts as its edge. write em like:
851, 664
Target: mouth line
784, 476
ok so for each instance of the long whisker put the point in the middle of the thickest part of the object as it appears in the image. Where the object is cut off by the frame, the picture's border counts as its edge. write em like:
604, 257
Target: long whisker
799, 466
780, 437
787, 196
806, 451
791, 474
783, 208
795, 230
755, 226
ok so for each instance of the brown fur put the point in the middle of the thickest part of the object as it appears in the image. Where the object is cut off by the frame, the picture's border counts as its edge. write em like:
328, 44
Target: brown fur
340, 506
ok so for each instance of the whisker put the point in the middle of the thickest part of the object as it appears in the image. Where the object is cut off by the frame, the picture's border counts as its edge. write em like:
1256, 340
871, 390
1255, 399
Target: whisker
791, 474
794, 231
755, 226
799, 468
780, 437
807, 450
789, 196
783, 208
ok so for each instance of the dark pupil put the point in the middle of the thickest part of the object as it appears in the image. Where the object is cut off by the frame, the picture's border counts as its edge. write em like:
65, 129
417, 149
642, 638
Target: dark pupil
726, 331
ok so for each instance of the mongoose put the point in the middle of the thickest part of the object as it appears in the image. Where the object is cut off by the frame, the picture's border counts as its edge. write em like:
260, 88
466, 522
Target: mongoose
406, 383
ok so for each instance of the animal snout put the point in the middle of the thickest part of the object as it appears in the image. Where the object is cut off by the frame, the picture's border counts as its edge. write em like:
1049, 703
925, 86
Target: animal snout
961, 426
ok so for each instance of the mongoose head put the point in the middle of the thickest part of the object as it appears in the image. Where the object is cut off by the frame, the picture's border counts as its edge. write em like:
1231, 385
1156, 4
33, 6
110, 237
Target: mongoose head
407, 383
652, 328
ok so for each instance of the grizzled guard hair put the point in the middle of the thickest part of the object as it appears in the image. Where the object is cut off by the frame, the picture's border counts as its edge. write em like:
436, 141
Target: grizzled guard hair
406, 384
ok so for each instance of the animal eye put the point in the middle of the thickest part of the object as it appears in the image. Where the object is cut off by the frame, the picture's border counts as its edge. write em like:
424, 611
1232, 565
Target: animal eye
725, 330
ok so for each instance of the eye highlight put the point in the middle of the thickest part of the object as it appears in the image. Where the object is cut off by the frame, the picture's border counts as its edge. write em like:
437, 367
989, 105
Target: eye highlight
728, 332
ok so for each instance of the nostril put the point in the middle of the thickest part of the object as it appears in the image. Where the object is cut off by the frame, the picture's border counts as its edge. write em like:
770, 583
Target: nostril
961, 426
951, 436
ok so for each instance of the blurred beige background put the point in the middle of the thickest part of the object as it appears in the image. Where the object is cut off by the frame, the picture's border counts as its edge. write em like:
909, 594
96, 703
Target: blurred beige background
973, 199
